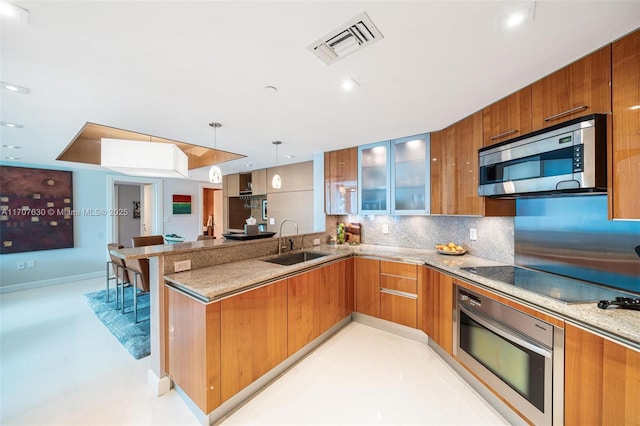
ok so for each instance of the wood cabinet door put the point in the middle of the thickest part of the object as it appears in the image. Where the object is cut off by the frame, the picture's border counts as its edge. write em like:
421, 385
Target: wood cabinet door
507, 118
602, 380
259, 182
625, 163
367, 285
438, 311
253, 335
579, 89
438, 140
468, 140
231, 185
398, 309
303, 309
193, 333
341, 180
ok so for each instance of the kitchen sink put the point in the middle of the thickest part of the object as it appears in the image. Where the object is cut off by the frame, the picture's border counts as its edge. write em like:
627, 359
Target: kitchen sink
293, 258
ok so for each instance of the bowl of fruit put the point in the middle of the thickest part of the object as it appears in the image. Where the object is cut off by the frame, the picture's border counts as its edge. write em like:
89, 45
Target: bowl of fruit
450, 249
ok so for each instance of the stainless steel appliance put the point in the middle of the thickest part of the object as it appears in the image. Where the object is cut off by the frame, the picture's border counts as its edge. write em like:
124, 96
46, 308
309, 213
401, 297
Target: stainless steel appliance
566, 158
554, 286
519, 356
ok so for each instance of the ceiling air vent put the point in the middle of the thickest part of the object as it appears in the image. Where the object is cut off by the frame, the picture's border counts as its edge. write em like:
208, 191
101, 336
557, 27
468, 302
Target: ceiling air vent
356, 34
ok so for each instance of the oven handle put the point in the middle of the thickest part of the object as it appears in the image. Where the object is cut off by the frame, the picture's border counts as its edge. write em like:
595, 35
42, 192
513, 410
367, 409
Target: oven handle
505, 332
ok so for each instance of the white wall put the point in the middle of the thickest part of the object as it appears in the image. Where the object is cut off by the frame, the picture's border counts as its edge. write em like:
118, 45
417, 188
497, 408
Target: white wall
185, 225
90, 246
89, 255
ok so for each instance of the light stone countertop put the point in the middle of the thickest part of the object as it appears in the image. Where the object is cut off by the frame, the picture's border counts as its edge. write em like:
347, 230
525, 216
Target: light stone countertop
216, 282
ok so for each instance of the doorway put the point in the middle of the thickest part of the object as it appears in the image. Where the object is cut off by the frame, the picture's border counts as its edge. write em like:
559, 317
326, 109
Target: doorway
211, 213
138, 202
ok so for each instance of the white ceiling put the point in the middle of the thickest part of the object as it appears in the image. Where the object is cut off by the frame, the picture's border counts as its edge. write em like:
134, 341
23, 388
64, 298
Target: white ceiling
170, 68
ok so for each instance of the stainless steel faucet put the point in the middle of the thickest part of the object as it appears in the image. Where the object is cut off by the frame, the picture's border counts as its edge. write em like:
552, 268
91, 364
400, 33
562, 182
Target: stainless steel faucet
280, 233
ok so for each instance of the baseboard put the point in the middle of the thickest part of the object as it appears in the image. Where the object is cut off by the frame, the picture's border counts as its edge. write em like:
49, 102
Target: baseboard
53, 281
391, 327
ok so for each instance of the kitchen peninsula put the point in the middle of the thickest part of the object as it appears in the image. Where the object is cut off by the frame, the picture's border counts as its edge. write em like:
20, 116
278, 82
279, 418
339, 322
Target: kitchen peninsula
205, 297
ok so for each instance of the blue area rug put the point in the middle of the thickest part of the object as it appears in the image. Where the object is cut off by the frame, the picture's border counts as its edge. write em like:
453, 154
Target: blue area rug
134, 337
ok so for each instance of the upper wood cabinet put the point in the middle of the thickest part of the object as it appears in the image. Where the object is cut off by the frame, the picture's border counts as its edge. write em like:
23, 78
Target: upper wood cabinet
624, 201
259, 182
253, 336
341, 181
602, 380
507, 118
581, 88
454, 172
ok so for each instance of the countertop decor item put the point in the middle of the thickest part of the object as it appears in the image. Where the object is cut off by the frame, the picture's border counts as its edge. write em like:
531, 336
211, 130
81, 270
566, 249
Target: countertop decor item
341, 233
452, 249
173, 238
243, 237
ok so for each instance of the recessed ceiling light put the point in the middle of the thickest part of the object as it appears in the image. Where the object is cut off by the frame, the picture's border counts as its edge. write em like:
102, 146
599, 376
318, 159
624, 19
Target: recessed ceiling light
515, 17
11, 158
11, 146
248, 165
12, 125
288, 156
14, 12
349, 84
271, 88
14, 87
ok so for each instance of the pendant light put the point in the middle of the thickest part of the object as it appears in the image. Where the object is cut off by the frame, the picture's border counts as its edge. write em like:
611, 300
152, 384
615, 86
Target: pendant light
276, 182
215, 174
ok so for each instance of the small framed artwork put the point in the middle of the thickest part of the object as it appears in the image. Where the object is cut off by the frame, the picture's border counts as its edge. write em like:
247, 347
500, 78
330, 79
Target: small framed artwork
264, 209
181, 204
136, 209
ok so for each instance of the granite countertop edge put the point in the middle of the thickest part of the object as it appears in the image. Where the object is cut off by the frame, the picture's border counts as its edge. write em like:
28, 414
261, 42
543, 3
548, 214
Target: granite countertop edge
216, 282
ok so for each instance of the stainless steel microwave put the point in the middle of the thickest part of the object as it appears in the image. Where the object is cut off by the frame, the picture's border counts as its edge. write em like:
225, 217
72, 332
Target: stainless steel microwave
563, 159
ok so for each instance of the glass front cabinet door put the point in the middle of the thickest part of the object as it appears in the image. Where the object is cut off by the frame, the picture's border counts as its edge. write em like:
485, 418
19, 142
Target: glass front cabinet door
393, 177
374, 178
410, 172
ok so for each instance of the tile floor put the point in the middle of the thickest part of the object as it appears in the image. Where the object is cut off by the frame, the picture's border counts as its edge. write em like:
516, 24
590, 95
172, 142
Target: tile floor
60, 366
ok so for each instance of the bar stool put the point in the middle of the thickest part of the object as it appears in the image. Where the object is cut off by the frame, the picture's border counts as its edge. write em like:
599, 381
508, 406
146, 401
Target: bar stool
119, 269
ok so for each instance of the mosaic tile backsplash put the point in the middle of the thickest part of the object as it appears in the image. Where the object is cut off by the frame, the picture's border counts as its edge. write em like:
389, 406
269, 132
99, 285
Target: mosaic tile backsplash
495, 234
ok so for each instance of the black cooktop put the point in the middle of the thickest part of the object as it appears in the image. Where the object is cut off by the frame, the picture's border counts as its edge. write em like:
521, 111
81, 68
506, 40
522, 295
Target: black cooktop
557, 287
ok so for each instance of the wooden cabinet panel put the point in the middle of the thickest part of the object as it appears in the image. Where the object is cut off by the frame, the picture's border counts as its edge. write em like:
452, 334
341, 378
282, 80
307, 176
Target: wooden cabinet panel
398, 309
507, 118
259, 182
438, 139
602, 380
193, 332
400, 269
253, 334
438, 311
231, 185
303, 311
454, 172
407, 285
367, 285
341, 181
581, 88
625, 162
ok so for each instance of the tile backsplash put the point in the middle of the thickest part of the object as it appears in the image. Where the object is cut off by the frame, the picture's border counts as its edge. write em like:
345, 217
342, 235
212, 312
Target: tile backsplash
495, 234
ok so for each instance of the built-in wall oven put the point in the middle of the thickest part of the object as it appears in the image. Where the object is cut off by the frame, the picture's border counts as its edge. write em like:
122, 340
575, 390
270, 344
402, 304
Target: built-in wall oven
519, 356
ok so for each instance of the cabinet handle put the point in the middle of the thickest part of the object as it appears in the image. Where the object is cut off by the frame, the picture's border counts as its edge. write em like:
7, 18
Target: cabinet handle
398, 293
568, 112
501, 135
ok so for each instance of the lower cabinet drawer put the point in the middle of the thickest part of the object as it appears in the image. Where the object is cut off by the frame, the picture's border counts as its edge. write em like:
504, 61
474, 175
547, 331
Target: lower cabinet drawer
398, 309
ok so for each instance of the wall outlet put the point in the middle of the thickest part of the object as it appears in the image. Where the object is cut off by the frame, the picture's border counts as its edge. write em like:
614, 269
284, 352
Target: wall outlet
316, 241
31, 263
385, 228
20, 265
183, 265
272, 221
473, 235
